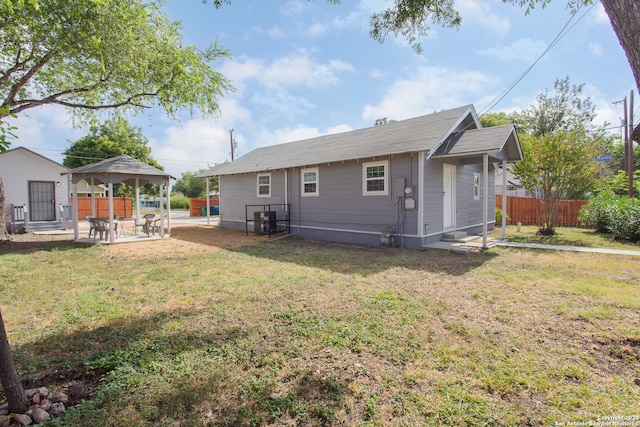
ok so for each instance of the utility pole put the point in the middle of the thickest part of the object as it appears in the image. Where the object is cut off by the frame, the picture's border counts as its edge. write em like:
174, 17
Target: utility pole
233, 147
630, 146
625, 128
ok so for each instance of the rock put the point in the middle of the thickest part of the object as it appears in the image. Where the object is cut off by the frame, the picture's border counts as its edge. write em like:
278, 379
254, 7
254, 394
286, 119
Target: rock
46, 404
44, 392
4, 421
59, 396
23, 419
57, 408
4, 409
30, 392
36, 398
40, 415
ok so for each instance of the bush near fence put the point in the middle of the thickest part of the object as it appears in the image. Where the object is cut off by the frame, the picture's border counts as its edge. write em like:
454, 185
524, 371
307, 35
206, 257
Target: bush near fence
523, 210
196, 204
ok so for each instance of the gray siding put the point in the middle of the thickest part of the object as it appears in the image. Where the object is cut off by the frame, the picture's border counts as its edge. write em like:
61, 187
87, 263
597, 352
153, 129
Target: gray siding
237, 191
339, 210
342, 213
468, 210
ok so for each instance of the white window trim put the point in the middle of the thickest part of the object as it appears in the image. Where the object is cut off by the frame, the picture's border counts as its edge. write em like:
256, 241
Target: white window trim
476, 186
258, 185
317, 182
365, 165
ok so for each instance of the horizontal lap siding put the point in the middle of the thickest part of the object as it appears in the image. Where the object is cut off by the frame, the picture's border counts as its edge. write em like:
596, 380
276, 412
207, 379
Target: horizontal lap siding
468, 210
238, 191
341, 204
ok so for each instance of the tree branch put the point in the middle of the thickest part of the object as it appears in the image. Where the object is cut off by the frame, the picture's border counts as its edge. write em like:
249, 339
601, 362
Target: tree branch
25, 79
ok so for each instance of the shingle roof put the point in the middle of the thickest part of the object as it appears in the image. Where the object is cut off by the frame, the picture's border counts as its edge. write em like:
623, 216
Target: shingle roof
485, 140
412, 135
121, 168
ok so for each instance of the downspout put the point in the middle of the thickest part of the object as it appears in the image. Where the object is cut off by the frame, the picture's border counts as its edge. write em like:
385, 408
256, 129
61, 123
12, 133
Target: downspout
286, 192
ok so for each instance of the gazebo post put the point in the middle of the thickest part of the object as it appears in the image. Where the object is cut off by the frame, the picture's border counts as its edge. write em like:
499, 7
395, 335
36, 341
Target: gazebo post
74, 212
93, 199
169, 207
137, 200
207, 196
161, 231
111, 212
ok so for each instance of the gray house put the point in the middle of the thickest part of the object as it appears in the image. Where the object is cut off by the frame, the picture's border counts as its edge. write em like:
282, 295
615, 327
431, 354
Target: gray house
404, 183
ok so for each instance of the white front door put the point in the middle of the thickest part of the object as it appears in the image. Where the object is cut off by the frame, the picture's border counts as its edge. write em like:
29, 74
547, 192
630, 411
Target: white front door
448, 196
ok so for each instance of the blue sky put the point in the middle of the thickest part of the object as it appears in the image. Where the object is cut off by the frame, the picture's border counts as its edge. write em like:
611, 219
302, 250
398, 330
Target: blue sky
307, 68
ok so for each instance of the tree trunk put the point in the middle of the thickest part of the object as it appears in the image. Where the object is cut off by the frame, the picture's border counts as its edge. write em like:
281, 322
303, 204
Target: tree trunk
10, 382
625, 16
3, 225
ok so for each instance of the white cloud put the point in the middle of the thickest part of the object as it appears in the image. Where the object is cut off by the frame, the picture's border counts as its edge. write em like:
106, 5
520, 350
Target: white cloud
199, 143
295, 70
295, 7
276, 32
596, 48
298, 133
601, 16
316, 30
522, 49
431, 89
476, 13
281, 103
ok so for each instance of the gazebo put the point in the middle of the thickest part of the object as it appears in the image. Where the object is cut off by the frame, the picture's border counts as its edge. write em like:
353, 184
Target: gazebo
118, 169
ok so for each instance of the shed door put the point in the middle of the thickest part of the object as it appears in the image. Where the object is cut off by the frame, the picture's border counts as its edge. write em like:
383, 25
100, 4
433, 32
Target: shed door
448, 196
42, 201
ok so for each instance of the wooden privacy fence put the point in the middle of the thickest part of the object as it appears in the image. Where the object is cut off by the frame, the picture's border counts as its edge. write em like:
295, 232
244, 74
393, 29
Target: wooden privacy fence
196, 204
523, 210
122, 206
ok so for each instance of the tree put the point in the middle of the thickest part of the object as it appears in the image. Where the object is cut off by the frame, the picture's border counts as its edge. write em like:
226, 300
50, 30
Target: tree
96, 55
383, 121
190, 185
559, 142
112, 138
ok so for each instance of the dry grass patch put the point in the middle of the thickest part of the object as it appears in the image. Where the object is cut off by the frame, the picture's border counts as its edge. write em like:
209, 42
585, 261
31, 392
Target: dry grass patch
296, 332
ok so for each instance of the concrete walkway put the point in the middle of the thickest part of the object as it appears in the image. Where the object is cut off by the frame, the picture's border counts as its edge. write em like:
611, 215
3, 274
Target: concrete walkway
568, 248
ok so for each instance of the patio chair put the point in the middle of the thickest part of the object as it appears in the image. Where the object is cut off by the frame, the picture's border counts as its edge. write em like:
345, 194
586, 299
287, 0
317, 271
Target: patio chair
100, 225
144, 223
92, 228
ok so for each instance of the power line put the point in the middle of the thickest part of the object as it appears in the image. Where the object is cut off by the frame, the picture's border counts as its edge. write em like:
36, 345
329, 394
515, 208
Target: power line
563, 32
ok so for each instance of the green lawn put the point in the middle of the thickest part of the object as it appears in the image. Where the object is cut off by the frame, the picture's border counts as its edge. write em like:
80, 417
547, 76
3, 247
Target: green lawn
572, 236
296, 332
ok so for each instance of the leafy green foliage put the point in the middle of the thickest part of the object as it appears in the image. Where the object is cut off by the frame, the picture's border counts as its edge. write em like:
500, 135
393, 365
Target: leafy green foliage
112, 138
617, 215
559, 141
191, 185
91, 55
179, 203
6, 130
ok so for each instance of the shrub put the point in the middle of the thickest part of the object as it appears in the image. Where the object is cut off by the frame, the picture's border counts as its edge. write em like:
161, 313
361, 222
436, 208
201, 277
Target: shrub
180, 203
613, 214
499, 217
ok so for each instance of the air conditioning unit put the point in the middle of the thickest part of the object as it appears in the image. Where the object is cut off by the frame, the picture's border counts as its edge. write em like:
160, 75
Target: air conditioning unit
264, 222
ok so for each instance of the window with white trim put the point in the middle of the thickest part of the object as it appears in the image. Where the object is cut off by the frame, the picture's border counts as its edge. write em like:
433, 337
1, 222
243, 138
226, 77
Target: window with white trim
264, 185
309, 182
375, 179
476, 186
